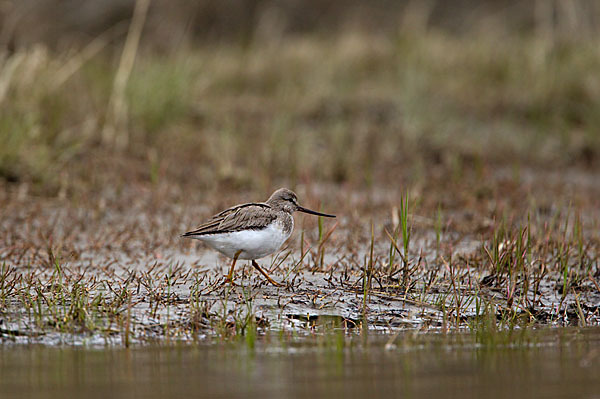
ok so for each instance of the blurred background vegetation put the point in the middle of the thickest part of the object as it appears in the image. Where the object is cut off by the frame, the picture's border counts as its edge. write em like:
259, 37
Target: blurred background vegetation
252, 93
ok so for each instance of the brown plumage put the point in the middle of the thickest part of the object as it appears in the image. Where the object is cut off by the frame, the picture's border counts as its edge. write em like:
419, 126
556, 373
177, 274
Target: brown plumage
252, 216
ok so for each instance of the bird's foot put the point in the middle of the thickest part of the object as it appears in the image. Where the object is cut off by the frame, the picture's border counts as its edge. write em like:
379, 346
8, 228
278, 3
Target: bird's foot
229, 280
264, 273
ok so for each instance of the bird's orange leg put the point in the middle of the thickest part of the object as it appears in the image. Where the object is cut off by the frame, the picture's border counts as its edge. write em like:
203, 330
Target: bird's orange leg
257, 267
229, 276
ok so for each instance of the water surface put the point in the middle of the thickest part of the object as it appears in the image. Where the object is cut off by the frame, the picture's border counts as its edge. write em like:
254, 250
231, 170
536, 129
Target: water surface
559, 363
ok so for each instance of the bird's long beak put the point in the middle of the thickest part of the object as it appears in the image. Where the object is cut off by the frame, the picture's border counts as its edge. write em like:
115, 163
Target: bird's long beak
305, 210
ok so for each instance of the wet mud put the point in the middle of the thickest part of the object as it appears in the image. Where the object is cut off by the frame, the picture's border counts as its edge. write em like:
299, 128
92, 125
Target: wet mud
112, 267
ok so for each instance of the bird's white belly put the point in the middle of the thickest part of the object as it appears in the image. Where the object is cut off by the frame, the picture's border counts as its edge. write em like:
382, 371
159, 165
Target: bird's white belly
254, 244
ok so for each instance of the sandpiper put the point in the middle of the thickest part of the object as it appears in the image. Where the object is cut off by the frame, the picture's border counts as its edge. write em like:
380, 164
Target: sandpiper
254, 230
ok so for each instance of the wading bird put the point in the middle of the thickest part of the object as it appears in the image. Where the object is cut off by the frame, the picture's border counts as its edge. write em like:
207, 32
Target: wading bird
254, 230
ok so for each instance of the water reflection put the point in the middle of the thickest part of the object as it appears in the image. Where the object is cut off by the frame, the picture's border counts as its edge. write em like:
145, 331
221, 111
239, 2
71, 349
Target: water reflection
557, 363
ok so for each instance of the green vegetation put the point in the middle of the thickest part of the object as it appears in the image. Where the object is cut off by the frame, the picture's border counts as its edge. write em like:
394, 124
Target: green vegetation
308, 107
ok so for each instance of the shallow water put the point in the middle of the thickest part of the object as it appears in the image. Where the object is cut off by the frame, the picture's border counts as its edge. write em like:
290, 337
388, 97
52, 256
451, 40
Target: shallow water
545, 363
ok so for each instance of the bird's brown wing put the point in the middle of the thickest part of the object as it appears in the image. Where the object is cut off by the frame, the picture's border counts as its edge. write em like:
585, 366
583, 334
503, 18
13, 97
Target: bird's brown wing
253, 216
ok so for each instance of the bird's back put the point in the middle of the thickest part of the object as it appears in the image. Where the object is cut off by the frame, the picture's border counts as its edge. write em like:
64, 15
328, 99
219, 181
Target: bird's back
251, 216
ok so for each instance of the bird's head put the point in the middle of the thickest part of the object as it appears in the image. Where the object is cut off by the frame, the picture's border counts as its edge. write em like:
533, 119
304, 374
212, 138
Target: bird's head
286, 200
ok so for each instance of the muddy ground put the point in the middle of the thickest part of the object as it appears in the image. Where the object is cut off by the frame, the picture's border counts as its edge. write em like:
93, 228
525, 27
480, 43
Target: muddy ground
505, 251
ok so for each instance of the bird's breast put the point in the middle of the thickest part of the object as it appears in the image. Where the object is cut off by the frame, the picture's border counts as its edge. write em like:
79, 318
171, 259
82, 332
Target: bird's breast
287, 224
